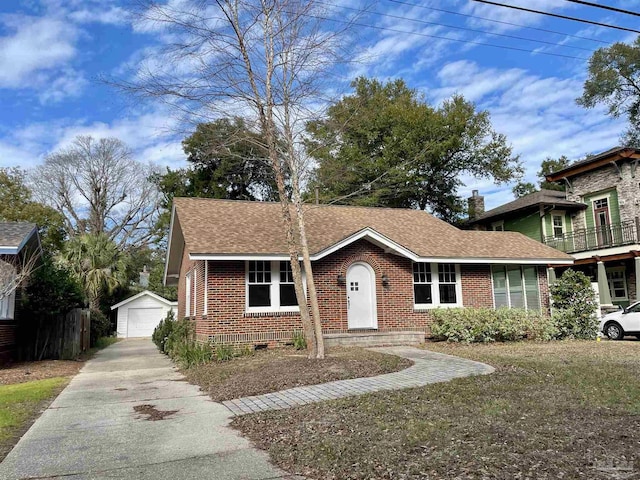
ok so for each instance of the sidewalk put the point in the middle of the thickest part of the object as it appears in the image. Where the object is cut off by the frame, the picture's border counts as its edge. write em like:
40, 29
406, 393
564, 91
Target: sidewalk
429, 367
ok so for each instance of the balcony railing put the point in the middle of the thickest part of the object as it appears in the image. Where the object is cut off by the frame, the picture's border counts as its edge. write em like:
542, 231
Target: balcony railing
615, 235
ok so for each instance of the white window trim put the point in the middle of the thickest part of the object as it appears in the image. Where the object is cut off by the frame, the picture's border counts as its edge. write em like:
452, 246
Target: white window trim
187, 295
206, 287
593, 209
274, 291
195, 291
8, 302
562, 214
624, 279
435, 289
497, 224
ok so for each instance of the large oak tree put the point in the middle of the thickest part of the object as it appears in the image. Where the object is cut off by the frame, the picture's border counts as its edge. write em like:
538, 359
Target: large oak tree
384, 145
614, 81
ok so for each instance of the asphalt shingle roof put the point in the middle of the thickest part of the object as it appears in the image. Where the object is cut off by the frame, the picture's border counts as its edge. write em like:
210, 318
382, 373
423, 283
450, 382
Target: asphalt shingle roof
226, 227
12, 234
542, 197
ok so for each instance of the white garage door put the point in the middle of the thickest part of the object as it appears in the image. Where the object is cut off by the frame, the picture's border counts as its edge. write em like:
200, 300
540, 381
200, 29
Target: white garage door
142, 321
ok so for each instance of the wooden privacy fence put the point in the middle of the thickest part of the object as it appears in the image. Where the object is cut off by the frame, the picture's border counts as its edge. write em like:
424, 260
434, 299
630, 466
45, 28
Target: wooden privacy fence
64, 337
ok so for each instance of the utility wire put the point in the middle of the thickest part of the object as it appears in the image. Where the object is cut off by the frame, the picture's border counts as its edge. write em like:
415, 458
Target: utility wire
439, 37
557, 15
425, 22
502, 22
605, 7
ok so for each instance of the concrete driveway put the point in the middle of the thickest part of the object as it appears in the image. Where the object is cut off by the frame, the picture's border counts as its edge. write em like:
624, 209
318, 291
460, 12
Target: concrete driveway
106, 424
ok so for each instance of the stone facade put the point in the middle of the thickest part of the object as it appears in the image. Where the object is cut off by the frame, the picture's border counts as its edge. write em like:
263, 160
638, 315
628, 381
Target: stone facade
225, 319
626, 184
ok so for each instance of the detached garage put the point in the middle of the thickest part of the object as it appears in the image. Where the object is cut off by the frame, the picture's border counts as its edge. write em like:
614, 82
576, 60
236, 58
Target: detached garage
140, 314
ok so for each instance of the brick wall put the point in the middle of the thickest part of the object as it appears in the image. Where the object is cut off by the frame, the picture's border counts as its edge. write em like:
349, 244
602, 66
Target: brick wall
227, 322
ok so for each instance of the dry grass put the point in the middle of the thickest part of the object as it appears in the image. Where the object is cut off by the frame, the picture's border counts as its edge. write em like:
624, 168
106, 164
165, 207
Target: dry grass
556, 410
272, 370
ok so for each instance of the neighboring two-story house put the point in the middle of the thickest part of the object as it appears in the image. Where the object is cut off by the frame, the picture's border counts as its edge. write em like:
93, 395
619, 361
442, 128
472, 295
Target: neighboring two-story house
542, 214
596, 220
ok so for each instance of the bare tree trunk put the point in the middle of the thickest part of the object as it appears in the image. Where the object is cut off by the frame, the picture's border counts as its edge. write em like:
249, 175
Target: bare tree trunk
265, 114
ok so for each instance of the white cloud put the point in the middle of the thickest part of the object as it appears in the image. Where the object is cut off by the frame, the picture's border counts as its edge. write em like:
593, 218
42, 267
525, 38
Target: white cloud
538, 115
151, 135
69, 83
35, 45
110, 16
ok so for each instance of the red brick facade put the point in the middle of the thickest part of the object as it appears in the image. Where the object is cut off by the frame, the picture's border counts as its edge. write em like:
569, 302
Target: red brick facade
226, 319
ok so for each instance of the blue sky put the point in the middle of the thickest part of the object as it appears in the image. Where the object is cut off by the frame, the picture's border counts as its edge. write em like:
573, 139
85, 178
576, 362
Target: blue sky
53, 53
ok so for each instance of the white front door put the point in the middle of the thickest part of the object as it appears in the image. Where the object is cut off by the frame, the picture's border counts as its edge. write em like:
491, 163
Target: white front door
361, 297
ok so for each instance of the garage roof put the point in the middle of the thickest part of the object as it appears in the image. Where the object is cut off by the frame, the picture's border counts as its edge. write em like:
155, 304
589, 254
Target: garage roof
142, 294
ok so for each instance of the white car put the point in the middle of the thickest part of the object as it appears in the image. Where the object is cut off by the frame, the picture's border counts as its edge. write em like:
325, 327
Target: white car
625, 321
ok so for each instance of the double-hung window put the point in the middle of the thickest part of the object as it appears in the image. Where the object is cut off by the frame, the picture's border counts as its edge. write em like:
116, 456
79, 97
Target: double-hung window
270, 287
422, 284
259, 284
436, 284
287, 288
558, 226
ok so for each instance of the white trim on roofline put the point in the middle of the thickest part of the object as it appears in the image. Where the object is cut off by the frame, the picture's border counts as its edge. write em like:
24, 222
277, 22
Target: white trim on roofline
460, 260
389, 246
14, 250
605, 252
141, 294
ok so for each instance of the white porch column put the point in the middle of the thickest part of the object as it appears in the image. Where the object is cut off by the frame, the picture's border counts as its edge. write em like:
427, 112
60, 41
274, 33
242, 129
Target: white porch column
603, 285
551, 275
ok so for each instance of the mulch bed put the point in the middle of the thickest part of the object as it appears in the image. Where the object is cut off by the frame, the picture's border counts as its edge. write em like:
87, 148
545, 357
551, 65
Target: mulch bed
29, 371
273, 370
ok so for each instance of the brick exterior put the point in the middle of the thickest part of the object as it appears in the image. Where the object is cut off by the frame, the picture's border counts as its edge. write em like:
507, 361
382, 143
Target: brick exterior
227, 321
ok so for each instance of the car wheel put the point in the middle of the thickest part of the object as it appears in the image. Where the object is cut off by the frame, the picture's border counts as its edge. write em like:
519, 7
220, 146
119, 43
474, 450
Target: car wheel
614, 331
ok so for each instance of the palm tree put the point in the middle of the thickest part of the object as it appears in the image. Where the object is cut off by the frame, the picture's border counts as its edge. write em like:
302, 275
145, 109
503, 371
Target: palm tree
97, 263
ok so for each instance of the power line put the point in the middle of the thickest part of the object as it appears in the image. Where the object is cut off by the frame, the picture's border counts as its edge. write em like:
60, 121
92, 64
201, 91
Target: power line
453, 12
439, 37
605, 7
557, 15
425, 22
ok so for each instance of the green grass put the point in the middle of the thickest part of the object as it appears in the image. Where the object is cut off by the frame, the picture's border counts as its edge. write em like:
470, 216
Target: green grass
104, 342
20, 402
551, 410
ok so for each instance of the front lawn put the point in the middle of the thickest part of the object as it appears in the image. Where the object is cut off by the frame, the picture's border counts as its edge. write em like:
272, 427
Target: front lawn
555, 410
20, 403
273, 370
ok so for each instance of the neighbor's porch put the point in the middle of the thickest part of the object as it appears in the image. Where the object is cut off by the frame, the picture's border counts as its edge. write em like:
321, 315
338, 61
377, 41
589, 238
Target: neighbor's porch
617, 277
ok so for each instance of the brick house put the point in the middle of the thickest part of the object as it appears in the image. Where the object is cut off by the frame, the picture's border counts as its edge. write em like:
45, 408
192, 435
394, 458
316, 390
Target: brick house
379, 271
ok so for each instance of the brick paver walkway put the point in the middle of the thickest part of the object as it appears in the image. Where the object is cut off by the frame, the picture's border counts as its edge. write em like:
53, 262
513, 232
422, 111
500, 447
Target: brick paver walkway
429, 367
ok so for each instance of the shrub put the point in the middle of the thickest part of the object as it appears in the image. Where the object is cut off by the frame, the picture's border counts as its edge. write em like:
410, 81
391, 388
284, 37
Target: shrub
163, 330
224, 352
100, 326
180, 343
298, 340
574, 306
470, 325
